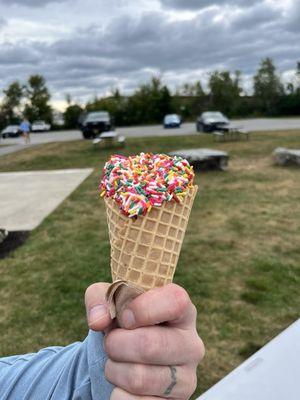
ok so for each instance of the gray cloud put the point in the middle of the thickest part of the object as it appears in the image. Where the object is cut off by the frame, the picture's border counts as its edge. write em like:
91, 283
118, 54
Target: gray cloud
257, 15
31, 3
3, 22
199, 4
293, 17
128, 45
131, 48
19, 54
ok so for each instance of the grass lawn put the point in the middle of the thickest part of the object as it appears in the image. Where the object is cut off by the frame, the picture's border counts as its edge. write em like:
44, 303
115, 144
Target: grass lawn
240, 260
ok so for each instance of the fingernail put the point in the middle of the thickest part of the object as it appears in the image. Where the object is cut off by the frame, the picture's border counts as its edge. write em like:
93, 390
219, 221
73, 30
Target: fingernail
128, 319
96, 313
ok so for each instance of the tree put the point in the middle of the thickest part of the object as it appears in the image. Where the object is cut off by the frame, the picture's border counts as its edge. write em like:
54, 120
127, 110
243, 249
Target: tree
297, 78
164, 102
68, 98
225, 91
12, 102
71, 115
192, 89
38, 97
192, 100
116, 105
150, 103
267, 87
289, 103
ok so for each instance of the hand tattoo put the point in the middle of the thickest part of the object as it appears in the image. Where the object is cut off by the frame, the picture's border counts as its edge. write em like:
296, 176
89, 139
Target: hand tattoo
173, 380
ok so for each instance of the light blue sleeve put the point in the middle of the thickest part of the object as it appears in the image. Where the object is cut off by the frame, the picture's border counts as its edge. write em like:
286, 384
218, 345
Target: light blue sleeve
75, 372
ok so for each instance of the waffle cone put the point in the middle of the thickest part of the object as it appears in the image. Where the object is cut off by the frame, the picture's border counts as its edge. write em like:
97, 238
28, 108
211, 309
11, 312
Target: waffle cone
145, 251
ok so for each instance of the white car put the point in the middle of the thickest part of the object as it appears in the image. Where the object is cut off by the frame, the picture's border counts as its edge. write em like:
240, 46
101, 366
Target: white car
40, 126
11, 131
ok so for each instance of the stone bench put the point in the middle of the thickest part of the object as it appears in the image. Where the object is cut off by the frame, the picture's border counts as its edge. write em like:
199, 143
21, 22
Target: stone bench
204, 158
283, 156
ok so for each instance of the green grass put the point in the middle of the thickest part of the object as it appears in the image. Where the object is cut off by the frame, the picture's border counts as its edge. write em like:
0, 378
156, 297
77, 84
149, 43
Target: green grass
240, 260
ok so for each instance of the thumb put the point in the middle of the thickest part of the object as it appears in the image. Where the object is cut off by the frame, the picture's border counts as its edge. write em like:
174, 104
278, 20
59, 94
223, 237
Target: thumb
97, 311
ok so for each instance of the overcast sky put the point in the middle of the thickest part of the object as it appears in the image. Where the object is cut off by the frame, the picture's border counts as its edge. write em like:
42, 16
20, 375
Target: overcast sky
86, 48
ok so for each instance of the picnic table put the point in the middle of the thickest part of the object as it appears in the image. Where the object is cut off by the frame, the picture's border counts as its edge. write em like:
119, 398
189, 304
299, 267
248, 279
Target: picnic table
110, 139
230, 133
3, 235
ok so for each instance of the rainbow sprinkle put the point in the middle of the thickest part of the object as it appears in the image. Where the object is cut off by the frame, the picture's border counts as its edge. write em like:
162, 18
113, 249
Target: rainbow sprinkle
140, 182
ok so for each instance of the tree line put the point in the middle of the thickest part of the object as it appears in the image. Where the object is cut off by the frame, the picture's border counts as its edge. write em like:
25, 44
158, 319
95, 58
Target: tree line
151, 101
29, 100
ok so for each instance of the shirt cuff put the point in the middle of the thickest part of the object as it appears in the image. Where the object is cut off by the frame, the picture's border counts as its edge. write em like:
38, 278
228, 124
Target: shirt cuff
100, 387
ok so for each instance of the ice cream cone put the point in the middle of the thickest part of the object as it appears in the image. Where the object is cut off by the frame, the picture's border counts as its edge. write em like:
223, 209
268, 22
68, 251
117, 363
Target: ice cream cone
145, 250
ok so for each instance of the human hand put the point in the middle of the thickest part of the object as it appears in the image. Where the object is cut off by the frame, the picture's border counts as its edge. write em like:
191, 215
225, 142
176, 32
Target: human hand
158, 352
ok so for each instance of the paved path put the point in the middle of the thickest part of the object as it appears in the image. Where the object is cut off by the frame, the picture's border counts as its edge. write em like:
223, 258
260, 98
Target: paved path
28, 197
269, 124
13, 148
256, 124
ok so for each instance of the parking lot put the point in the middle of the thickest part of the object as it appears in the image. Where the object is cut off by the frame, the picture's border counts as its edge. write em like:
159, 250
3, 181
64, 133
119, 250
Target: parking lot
256, 124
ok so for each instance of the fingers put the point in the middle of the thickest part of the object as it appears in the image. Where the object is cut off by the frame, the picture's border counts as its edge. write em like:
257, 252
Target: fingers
156, 345
120, 394
170, 303
151, 380
96, 307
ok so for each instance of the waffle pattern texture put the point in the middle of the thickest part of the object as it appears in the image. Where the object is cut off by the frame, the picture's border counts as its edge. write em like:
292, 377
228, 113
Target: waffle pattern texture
145, 251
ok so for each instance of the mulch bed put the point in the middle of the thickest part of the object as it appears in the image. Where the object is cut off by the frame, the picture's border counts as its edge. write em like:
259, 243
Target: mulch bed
12, 242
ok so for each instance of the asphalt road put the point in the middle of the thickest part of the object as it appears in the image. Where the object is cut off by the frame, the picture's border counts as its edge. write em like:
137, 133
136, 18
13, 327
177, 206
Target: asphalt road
258, 124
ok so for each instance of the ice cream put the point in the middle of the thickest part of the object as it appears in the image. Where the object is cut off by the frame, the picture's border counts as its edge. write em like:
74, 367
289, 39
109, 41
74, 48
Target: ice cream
148, 200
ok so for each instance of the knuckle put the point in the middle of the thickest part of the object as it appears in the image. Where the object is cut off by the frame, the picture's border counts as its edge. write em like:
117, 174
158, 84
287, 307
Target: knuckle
149, 347
143, 315
194, 311
192, 385
181, 299
137, 381
107, 370
109, 344
198, 349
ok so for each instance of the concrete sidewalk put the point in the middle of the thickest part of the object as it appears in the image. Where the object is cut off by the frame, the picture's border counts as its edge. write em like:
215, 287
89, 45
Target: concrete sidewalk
27, 198
14, 148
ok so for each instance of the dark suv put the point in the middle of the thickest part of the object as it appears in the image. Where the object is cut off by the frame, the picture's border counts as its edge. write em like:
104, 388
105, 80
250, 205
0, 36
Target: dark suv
95, 123
210, 121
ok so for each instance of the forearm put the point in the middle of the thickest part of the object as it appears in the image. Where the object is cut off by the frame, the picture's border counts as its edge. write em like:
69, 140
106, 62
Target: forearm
59, 373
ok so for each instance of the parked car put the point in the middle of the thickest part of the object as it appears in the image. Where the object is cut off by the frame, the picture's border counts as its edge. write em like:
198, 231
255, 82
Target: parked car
95, 123
210, 121
40, 126
11, 131
172, 121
